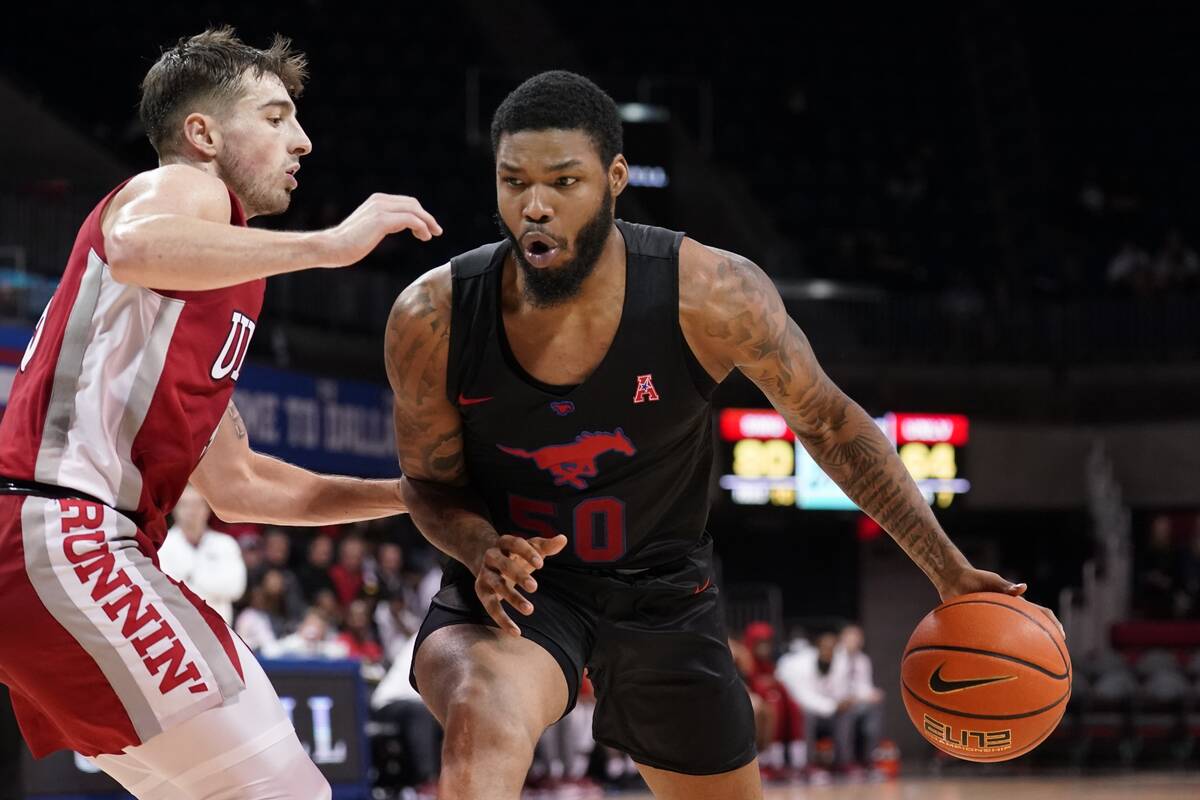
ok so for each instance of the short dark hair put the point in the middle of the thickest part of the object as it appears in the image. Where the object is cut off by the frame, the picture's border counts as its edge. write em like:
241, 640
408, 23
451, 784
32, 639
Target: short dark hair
565, 101
207, 69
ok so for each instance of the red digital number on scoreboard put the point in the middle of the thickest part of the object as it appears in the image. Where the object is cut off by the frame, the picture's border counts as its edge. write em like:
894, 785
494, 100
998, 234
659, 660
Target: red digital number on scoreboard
753, 423
929, 428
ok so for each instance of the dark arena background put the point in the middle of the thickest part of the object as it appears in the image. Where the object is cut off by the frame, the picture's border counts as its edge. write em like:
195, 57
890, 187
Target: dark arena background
984, 216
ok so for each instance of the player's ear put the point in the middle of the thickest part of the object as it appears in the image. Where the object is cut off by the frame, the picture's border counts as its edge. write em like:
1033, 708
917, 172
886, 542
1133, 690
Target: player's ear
618, 175
201, 135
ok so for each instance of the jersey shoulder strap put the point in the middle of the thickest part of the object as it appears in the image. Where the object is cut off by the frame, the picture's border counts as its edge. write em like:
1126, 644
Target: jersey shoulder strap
472, 311
649, 241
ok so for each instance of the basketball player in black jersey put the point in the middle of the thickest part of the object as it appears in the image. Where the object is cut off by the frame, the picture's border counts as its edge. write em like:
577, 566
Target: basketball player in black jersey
553, 419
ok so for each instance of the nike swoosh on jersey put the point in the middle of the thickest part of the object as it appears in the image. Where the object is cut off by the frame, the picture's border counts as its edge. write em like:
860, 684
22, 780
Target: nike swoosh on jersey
940, 685
470, 401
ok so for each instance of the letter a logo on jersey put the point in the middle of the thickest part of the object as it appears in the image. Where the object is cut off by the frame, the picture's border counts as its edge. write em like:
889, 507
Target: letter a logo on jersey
645, 389
229, 363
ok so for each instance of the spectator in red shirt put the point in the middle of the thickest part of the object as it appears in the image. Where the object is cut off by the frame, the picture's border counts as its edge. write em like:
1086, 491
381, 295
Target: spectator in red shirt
358, 636
347, 573
760, 641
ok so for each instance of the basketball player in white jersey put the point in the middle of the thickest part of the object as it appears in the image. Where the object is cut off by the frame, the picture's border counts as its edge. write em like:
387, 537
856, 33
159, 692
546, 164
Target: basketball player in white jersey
123, 396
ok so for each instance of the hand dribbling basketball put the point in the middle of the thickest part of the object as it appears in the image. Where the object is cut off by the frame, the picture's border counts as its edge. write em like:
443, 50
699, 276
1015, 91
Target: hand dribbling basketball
984, 677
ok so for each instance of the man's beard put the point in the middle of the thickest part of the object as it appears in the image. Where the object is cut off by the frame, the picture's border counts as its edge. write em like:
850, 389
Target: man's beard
551, 286
257, 198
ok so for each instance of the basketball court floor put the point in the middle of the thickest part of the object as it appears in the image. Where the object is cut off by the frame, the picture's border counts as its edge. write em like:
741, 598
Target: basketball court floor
1147, 786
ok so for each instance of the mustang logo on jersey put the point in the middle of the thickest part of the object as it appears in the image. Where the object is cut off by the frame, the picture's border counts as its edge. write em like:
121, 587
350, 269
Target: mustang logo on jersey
570, 463
229, 363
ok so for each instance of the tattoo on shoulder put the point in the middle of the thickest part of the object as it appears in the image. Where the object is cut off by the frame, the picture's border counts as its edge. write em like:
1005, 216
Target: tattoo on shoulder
418, 339
746, 317
428, 430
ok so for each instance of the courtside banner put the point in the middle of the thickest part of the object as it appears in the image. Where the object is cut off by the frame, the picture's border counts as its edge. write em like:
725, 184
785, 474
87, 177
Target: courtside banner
320, 423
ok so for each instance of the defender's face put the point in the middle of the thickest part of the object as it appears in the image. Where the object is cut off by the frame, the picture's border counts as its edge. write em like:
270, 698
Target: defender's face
549, 185
261, 146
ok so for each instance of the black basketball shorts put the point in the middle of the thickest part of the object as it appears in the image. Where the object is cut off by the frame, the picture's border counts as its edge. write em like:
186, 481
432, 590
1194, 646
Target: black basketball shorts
655, 648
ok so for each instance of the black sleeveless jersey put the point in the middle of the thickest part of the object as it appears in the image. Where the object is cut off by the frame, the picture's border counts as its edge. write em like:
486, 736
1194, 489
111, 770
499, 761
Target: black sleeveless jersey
620, 463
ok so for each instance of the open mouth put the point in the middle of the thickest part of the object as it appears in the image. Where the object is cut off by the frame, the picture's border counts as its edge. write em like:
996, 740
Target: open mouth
540, 249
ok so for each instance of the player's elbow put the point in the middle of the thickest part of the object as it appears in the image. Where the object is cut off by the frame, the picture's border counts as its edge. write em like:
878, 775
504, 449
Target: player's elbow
234, 500
125, 251
226, 507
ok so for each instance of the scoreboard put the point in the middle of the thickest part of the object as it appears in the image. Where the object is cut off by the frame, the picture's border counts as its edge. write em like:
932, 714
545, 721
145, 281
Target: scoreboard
766, 465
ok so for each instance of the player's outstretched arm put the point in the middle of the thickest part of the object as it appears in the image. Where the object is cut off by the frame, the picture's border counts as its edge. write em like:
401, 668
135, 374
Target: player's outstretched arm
430, 444
244, 486
169, 229
733, 315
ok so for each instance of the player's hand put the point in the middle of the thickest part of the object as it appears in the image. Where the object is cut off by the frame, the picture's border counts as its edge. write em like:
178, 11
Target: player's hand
380, 216
978, 580
506, 565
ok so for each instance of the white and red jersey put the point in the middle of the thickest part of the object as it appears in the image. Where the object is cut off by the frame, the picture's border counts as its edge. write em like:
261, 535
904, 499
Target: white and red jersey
121, 387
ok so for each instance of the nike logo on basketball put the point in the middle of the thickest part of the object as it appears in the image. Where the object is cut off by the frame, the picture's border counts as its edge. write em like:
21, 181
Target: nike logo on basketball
470, 401
940, 685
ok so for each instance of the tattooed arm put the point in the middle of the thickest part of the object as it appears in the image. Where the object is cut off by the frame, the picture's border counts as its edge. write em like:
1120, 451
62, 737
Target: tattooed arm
733, 317
430, 443
244, 486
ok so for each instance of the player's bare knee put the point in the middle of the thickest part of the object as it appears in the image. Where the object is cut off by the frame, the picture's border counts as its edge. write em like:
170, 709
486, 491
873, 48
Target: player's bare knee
479, 719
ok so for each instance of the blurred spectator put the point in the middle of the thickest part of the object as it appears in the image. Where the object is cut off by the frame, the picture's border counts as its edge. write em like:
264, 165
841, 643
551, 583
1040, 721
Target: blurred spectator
1158, 577
252, 554
327, 605
397, 702
861, 719
313, 639
809, 678
395, 623
760, 641
429, 584
1129, 269
314, 572
389, 570
349, 573
798, 643
210, 563
277, 552
264, 621
764, 716
357, 634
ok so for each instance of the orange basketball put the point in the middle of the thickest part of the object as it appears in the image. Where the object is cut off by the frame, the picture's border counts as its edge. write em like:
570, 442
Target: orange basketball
986, 677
